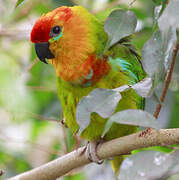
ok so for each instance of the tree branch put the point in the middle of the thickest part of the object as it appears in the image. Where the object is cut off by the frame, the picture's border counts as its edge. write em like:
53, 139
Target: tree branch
1, 172
168, 78
123, 145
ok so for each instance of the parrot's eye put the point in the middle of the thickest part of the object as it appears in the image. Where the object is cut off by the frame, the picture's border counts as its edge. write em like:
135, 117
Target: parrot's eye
55, 31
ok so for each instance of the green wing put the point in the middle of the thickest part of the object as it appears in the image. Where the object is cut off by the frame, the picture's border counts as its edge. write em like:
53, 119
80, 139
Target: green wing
125, 55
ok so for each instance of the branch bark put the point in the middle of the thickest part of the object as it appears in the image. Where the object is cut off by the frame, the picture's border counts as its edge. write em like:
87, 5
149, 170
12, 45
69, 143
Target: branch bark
167, 81
119, 146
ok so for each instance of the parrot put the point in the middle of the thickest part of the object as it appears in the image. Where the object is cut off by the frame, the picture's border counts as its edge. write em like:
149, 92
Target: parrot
73, 40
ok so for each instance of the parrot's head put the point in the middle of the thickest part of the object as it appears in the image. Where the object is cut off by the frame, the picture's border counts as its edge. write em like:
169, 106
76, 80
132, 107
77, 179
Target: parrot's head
68, 36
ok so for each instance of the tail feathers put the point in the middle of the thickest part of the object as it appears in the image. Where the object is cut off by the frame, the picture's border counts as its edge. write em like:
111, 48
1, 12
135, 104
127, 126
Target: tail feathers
116, 163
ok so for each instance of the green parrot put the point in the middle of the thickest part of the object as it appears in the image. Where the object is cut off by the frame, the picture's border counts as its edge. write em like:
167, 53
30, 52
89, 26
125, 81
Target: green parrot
74, 40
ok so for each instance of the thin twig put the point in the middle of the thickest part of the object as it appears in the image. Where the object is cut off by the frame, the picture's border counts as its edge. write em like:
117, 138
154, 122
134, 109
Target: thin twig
1, 172
131, 3
168, 78
78, 141
65, 139
30, 66
15, 34
25, 11
40, 117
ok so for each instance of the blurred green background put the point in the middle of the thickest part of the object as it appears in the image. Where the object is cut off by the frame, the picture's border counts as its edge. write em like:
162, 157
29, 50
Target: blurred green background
30, 130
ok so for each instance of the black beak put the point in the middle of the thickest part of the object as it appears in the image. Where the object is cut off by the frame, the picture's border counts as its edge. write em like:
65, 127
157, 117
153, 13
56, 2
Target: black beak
43, 51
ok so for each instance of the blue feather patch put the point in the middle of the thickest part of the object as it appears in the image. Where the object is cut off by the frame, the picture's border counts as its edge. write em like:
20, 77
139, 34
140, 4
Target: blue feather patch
124, 66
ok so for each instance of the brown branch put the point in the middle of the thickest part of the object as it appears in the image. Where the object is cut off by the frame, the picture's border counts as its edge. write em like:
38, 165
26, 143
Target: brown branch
168, 78
40, 117
25, 11
32, 64
123, 145
15, 34
1, 172
131, 3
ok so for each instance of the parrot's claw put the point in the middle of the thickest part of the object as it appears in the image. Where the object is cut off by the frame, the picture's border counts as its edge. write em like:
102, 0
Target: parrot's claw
91, 152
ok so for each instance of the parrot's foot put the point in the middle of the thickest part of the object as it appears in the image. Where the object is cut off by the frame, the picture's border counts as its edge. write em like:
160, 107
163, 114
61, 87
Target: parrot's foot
91, 152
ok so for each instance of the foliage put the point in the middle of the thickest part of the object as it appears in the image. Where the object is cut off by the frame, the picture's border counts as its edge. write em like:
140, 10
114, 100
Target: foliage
115, 30
159, 166
29, 106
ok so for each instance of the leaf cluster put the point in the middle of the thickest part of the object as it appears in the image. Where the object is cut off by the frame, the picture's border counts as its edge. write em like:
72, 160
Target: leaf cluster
156, 58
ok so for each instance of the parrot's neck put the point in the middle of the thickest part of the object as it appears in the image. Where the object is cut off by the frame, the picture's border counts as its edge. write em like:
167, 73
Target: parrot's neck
85, 73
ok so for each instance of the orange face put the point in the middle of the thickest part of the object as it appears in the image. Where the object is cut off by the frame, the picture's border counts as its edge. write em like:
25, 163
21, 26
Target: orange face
69, 36
49, 28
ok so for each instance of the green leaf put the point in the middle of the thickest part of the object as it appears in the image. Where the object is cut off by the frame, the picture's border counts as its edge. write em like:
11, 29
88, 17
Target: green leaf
157, 54
174, 168
101, 101
122, 88
170, 16
155, 165
19, 2
169, 41
153, 57
168, 23
159, 165
144, 87
157, 13
156, 98
118, 25
136, 118
132, 117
